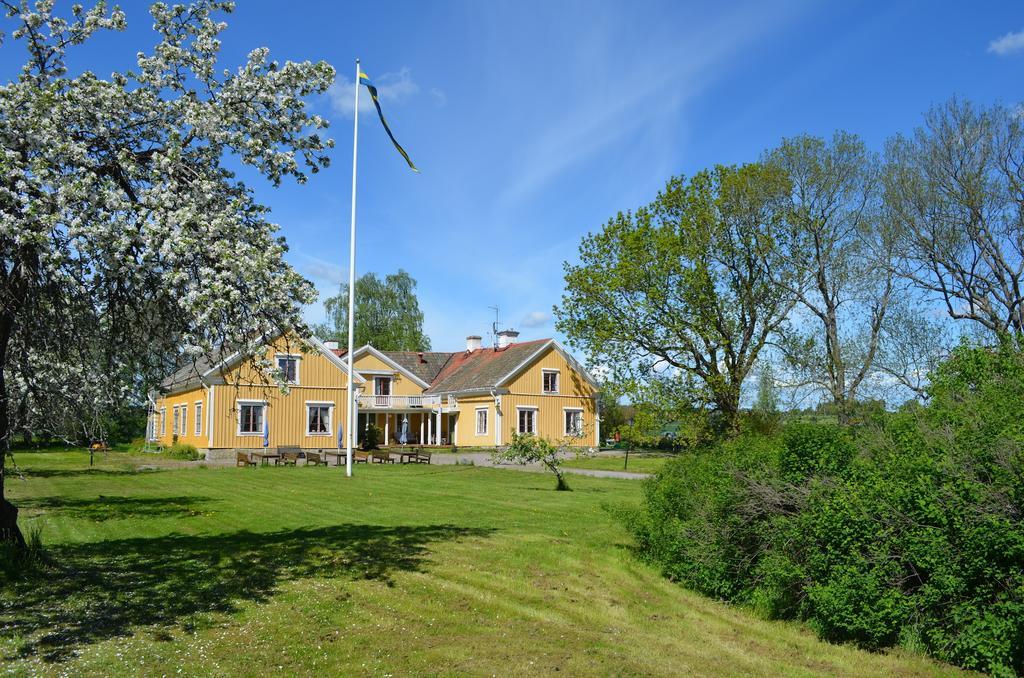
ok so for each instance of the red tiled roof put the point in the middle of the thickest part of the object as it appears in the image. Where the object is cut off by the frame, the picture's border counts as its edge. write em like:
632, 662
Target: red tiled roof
462, 371
482, 368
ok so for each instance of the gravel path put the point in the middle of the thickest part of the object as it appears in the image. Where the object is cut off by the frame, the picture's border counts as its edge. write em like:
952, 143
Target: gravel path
484, 459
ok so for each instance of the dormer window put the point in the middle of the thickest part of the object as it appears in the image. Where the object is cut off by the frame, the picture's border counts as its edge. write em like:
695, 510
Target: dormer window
549, 381
288, 365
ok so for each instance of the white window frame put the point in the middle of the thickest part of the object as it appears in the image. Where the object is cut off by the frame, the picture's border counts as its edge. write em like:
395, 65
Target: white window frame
330, 417
487, 422
565, 423
289, 356
163, 421
198, 413
174, 422
183, 424
558, 380
238, 419
536, 418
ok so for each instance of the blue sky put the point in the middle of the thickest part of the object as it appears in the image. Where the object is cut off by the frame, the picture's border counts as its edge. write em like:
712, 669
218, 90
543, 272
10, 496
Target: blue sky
534, 122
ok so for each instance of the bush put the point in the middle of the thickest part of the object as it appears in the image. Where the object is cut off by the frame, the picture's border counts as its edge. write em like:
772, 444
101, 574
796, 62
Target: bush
814, 449
371, 438
908, 531
182, 451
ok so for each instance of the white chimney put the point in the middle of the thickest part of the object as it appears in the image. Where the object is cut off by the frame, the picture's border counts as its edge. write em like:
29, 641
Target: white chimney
506, 337
473, 343
333, 345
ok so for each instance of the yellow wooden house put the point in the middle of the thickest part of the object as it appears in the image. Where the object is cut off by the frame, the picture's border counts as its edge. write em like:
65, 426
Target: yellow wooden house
478, 397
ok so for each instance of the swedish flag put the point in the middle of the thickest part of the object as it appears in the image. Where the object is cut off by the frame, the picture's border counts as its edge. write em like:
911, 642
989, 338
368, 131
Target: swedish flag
365, 80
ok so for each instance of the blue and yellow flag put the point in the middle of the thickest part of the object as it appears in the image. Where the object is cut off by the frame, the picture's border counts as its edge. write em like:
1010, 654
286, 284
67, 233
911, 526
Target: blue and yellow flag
365, 80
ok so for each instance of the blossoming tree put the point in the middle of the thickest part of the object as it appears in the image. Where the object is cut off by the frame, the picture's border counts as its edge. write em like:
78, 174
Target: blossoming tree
127, 244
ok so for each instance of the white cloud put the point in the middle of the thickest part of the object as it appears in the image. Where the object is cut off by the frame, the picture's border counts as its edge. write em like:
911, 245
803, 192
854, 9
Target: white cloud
1008, 44
439, 97
322, 273
394, 88
536, 319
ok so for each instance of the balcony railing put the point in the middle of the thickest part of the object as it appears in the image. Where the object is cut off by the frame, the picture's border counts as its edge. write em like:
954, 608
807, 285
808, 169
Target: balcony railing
398, 401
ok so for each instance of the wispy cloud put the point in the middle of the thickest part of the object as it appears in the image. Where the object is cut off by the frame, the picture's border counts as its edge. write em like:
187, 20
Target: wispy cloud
321, 273
648, 104
393, 88
439, 97
536, 319
1008, 44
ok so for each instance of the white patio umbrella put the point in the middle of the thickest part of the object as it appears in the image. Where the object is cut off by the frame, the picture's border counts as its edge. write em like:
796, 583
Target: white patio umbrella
266, 430
403, 437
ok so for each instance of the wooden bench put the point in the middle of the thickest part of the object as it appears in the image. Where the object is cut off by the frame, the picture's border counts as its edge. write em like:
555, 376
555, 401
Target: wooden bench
317, 458
243, 459
289, 455
358, 456
422, 457
382, 457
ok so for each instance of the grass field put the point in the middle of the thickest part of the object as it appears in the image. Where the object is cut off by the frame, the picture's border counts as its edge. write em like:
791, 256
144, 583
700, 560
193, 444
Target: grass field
400, 570
638, 463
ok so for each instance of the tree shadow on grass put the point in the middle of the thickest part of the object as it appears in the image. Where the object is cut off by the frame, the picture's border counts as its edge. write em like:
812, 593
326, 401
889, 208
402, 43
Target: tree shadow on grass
116, 508
78, 472
107, 589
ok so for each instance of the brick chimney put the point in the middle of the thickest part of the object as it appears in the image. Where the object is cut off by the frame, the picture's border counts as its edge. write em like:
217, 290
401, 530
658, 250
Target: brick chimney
333, 345
506, 337
473, 343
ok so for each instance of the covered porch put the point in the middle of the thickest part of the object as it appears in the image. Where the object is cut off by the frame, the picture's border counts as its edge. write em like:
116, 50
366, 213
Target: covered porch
422, 427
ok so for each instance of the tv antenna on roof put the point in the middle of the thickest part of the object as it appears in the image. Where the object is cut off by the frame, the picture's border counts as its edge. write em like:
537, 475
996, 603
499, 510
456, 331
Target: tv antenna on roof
494, 326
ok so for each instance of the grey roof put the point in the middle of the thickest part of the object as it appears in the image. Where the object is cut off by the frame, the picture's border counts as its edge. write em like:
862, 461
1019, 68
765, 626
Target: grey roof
426, 368
188, 374
483, 368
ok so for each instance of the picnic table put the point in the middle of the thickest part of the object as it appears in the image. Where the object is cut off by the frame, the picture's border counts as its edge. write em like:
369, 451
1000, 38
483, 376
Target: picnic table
266, 457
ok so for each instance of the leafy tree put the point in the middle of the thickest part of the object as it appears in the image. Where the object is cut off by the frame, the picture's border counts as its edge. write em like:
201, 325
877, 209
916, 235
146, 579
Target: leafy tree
767, 402
527, 448
387, 316
842, 255
955, 191
126, 243
612, 415
686, 291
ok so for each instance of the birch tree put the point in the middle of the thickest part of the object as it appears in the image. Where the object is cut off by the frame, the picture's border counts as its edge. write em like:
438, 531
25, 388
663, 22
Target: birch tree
127, 243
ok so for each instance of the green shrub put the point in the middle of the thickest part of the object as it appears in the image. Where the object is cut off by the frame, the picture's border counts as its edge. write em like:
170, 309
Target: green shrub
909, 531
371, 438
182, 451
814, 449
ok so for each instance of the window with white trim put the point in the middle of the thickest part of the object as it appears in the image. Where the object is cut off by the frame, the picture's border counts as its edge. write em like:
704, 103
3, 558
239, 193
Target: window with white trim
199, 417
250, 418
163, 421
183, 423
174, 424
527, 420
289, 367
549, 381
481, 421
318, 419
573, 422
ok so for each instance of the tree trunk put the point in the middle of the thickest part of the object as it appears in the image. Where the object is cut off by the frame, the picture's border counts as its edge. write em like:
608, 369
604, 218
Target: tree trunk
9, 531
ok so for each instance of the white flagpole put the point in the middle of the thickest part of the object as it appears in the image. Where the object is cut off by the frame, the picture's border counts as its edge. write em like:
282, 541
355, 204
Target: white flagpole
352, 289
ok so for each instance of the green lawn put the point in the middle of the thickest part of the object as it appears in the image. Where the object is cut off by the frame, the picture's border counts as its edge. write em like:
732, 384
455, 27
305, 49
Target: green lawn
638, 463
400, 570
